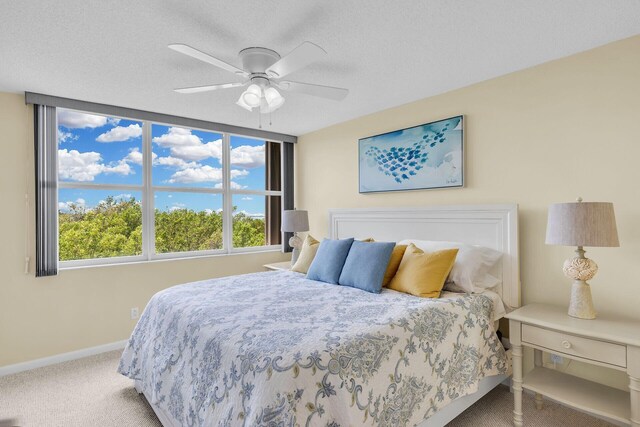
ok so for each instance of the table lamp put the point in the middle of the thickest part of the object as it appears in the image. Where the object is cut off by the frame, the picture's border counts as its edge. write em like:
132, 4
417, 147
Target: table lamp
293, 222
581, 224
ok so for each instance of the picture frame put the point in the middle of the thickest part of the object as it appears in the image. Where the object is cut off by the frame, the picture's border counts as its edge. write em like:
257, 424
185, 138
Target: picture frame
423, 157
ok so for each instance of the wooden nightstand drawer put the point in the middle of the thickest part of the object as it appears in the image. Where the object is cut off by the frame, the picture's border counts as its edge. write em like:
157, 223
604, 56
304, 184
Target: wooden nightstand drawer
573, 345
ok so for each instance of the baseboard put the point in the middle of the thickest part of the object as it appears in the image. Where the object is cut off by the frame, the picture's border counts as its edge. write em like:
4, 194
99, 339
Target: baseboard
59, 358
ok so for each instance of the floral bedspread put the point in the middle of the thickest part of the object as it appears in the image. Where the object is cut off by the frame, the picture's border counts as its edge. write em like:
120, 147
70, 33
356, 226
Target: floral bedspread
275, 349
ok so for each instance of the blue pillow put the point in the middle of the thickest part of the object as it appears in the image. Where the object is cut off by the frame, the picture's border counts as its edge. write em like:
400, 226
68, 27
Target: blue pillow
365, 265
327, 265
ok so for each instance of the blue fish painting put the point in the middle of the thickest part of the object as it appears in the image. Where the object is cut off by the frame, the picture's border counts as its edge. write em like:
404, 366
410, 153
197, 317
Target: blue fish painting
422, 157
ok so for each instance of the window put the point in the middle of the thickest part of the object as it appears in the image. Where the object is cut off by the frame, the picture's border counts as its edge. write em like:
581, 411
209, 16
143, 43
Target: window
138, 190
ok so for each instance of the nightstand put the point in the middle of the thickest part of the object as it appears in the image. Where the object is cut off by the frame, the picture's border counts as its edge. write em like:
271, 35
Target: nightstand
285, 265
607, 341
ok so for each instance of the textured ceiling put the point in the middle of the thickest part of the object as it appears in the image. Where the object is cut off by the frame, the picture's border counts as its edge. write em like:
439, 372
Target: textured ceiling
385, 52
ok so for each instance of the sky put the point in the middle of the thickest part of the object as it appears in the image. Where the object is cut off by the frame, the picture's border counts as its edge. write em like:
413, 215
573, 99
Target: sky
107, 150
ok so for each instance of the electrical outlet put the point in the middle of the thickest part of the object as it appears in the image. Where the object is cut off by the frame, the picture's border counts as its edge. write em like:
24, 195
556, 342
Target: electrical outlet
557, 360
134, 313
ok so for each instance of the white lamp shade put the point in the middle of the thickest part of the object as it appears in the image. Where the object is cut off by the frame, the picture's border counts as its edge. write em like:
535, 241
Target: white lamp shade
295, 221
582, 224
243, 104
274, 99
252, 95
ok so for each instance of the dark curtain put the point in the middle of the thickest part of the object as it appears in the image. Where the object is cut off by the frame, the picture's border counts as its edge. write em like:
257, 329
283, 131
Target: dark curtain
46, 165
273, 204
287, 190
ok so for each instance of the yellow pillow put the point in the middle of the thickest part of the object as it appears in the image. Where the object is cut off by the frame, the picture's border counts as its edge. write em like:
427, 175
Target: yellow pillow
307, 254
423, 274
394, 263
367, 240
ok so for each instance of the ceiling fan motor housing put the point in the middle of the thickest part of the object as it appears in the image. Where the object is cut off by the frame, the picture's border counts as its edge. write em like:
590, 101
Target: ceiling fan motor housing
256, 60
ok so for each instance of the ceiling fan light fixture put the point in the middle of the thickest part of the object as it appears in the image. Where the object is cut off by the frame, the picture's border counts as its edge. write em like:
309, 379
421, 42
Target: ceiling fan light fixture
273, 98
243, 104
252, 95
265, 108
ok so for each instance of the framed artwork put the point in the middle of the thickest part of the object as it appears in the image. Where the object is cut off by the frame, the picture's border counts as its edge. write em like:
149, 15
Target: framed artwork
421, 157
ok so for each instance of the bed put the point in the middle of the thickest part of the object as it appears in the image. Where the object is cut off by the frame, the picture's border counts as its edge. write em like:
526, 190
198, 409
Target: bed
274, 348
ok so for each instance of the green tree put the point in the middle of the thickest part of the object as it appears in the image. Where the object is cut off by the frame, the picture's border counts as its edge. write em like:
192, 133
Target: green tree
114, 228
247, 231
183, 230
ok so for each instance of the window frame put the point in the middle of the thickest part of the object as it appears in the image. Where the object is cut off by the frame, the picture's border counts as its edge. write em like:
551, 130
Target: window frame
147, 190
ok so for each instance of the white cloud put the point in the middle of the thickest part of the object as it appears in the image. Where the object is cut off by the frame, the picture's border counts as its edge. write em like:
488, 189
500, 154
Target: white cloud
247, 198
187, 146
78, 166
134, 156
66, 136
197, 174
77, 120
238, 173
177, 206
121, 133
121, 168
199, 152
66, 206
184, 145
174, 162
234, 185
204, 173
248, 156
113, 121
177, 137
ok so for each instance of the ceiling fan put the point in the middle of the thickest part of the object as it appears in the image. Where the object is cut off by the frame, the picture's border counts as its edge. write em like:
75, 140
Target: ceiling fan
263, 70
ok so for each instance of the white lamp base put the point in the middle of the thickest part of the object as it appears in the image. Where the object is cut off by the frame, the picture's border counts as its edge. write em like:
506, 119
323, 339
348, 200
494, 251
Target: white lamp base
296, 243
580, 269
581, 305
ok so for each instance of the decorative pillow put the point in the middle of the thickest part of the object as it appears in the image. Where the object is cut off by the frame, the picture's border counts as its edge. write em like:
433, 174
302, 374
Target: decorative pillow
365, 265
423, 274
470, 273
329, 260
394, 263
307, 253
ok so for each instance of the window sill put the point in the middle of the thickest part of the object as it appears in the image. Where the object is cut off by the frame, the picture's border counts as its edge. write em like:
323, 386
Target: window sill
93, 263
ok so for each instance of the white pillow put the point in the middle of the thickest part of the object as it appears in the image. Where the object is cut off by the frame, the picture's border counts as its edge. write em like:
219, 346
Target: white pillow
470, 273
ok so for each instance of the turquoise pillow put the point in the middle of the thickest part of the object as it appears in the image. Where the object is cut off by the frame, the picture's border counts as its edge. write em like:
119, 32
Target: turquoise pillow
327, 265
365, 265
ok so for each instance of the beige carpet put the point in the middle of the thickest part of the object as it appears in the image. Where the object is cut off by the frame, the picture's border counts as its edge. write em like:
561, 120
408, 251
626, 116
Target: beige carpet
89, 392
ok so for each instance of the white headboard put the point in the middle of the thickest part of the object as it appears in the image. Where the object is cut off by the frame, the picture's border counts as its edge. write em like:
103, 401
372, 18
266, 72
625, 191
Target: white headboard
493, 226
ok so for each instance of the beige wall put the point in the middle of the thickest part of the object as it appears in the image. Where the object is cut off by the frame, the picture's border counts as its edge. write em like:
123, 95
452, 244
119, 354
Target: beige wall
78, 308
547, 134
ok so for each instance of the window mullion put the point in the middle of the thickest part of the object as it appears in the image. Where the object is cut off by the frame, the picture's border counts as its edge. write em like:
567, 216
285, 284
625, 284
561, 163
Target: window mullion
227, 205
148, 226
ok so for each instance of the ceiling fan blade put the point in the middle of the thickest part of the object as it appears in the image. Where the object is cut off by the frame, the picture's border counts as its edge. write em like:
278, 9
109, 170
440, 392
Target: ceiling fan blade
195, 53
300, 57
197, 89
335, 93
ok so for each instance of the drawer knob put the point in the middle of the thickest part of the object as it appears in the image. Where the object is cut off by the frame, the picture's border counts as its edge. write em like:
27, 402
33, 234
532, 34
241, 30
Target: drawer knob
566, 344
